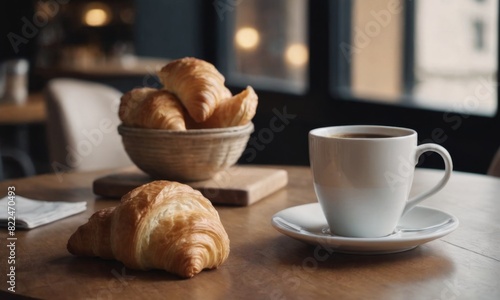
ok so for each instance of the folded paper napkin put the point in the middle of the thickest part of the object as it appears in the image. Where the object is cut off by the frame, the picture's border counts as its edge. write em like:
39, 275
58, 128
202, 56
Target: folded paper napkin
33, 213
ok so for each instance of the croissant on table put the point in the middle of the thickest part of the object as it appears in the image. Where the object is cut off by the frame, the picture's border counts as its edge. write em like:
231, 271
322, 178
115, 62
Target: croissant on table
160, 225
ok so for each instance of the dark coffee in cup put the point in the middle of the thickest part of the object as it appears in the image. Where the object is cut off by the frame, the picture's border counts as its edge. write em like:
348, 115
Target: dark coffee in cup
362, 136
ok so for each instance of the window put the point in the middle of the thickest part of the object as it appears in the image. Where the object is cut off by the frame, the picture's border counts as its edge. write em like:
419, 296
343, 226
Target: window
267, 44
456, 55
440, 55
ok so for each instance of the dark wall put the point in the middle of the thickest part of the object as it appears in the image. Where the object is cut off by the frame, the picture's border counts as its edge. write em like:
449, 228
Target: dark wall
11, 26
169, 28
17, 32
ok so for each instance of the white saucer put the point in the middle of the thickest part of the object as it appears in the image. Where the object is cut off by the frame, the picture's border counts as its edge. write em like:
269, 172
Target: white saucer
308, 224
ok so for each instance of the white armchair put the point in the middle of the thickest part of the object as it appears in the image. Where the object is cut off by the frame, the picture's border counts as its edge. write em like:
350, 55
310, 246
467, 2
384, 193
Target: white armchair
82, 119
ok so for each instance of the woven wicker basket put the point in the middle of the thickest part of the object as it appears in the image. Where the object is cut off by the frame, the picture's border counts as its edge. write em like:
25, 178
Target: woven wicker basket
190, 155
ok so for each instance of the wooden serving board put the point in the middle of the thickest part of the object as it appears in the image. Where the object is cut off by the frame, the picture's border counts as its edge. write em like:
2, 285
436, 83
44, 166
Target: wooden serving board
239, 185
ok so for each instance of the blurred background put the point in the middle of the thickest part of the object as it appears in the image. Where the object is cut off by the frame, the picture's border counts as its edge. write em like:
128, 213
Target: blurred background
428, 65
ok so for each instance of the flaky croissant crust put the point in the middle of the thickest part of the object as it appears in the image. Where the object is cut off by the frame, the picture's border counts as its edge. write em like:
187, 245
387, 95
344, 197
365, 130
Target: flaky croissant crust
197, 83
160, 225
130, 102
151, 108
235, 111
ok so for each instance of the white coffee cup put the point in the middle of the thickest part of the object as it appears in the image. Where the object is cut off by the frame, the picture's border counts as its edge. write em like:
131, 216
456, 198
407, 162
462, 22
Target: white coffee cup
363, 176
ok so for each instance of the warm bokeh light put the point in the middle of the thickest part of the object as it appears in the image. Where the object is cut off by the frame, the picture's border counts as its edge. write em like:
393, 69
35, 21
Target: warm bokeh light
96, 14
247, 38
297, 55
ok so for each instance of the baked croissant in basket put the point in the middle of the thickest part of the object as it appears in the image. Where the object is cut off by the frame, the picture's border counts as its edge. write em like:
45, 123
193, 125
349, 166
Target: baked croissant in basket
130, 102
193, 97
197, 83
155, 109
160, 225
235, 111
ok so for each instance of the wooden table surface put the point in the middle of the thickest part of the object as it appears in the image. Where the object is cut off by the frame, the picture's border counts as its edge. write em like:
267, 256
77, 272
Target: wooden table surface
32, 111
264, 264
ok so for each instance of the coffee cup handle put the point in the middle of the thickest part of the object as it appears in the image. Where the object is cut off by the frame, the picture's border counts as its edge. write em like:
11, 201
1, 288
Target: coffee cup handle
448, 168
